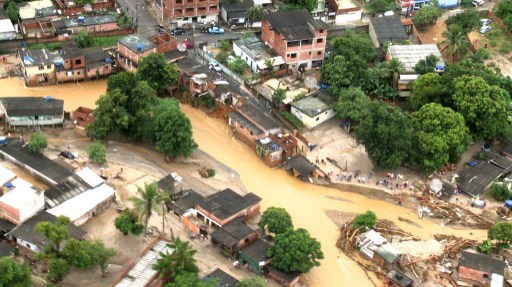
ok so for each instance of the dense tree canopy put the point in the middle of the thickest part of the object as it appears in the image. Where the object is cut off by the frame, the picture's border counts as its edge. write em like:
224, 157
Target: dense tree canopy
55, 232
176, 139
179, 262
352, 104
426, 89
352, 44
428, 14
501, 232
484, 107
440, 136
14, 274
455, 42
427, 65
295, 250
468, 20
386, 134
96, 153
252, 282
366, 220
340, 72
13, 12
159, 74
276, 220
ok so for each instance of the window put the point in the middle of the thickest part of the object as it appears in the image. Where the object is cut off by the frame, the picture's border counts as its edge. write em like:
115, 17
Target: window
190, 1
185, 19
178, 11
321, 30
320, 40
78, 62
203, 17
486, 276
189, 10
293, 43
49, 66
307, 42
179, 1
294, 55
41, 67
310, 52
317, 119
319, 53
241, 127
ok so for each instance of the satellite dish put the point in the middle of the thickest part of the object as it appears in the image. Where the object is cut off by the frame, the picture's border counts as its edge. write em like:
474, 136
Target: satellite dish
88, 7
182, 47
310, 82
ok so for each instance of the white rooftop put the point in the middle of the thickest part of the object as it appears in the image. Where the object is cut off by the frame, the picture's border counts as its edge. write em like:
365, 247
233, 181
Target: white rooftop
140, 274
81, 204
90, 177
410, 55
6, 26
6, 175
21, 193
29, 9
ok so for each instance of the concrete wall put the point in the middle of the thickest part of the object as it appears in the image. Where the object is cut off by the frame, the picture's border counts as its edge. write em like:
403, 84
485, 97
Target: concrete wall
26, 121
70, 75
315, 121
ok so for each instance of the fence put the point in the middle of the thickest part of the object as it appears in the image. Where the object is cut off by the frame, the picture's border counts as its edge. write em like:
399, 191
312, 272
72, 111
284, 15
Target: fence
126, 31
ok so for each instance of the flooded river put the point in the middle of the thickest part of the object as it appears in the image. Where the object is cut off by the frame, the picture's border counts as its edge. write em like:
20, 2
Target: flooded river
306, 203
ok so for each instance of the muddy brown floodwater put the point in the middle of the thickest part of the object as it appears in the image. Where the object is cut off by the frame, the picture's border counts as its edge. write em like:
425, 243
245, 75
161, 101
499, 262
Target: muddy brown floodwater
306, 202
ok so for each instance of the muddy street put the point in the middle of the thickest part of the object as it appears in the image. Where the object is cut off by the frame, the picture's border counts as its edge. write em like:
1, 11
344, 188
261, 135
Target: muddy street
308, 204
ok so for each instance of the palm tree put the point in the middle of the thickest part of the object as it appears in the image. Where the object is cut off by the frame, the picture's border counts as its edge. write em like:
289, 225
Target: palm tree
178, 261
149, 201
456, 42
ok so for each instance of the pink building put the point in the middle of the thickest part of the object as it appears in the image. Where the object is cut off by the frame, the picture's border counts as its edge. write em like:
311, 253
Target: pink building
296, 37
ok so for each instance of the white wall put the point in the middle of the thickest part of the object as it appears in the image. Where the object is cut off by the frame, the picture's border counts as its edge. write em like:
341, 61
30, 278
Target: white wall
348, 17
209, 18
7, 36
224, 14
26, 121
243, 55
31, 207
28, 245
312, 122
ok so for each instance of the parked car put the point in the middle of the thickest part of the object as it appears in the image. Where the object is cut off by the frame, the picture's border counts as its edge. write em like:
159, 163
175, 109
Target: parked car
485, 22
177, 31
160, 29
67, 154
215, 30
188, 44
477, 3
484, 29
215, 66
230, 59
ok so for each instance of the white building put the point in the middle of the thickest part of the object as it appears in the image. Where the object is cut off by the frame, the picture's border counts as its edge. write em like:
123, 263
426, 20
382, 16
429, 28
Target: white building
255, 53
7, 31
32, 111
21, 202
6, 176
313, 110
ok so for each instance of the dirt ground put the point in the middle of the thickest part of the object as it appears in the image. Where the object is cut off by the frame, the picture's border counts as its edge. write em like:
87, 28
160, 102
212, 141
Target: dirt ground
150, 166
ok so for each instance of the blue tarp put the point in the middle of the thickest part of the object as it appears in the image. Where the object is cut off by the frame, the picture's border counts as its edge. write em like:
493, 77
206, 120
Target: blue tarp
508, 203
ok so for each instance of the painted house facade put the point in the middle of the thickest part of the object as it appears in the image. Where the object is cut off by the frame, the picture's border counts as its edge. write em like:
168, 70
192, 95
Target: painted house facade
236, 13
32, 111
343, 11
233, 237
477, 269
313, 109
256, 54
191, 11
134, 47
21, 202
296, 36
37, 67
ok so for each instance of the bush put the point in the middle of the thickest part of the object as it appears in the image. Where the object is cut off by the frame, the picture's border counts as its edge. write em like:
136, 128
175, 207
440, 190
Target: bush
366, 220
37, 143
222, 57
501, 192
210, 172
126, 223
96, 153
506, 47
479, 156
293, 119
225, 45
485, 247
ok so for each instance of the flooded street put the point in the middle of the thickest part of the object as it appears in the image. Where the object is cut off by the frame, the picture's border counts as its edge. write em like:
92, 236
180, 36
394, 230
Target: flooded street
306, 203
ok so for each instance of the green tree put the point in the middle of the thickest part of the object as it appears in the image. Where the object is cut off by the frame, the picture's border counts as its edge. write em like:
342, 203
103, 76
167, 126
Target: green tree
83, 39
501, 192
386, 135
37, 142
278, 96
309, 5
468, 20
83, 2
99, 253
14, 274
110, 113
56, 233
159, 74
256, 13
96, 153
501, 232
427, 88
139, 106
191, 280
352, 104
485, 247
126, 222
295, 250
124, 81
455, 42
57, 269
149, 200
352, 44
340, 72
380, 6
180, 261
484, 107
225, 45
75, 253
176, 139
13, 12
440, 136
276, 220
366, 220
238, 66
428, 14
222, 57
252, 282
427, 65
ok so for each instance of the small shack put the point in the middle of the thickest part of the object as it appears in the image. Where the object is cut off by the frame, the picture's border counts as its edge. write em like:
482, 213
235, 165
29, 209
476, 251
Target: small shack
480, 270
395, 278
374, 246
255, 255
233, 236
302, 168
223, 278
287, 279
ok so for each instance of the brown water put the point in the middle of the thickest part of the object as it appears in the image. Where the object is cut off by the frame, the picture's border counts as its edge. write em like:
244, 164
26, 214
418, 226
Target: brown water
306, 203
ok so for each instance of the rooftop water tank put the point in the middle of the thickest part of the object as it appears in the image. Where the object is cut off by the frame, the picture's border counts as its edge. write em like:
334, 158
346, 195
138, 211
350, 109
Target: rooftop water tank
48, 99
140, 47
3, 140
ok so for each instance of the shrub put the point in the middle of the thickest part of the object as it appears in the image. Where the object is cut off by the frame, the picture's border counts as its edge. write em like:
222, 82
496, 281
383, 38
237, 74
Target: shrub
501, 192
126, 223
367, 220
506, 47
210, 172
222, 57
37, 143
485, 247
96, 153
293, 119
225, 45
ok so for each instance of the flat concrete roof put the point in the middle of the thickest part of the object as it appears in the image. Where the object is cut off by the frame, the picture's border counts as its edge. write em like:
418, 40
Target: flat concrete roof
132, 41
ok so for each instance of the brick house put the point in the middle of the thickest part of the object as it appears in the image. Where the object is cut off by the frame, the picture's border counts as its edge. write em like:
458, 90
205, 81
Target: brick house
21, 202
296, 36
251, 124
134, 47
480, 270
233, 237
98, 63
73, 64
37, 67
191, 11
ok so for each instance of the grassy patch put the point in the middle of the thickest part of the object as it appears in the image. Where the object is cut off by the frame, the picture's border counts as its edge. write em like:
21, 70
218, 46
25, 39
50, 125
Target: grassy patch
104, 42
293, 119
506, 47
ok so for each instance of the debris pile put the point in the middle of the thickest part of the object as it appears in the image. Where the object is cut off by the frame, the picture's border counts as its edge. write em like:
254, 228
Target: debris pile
451, 212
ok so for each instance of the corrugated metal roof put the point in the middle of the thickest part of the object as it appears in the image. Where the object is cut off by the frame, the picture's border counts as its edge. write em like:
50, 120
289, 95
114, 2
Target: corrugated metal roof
410, 55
